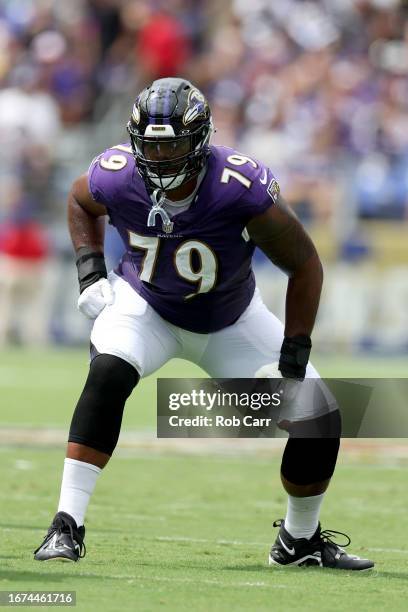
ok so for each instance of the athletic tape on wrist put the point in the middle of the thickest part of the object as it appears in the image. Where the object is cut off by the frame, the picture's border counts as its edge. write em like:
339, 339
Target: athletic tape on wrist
294, 356
91, 267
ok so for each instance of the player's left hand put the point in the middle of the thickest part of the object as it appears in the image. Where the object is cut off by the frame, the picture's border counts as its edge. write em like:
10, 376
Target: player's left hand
289, 389
270, 370
94, 298
290, 386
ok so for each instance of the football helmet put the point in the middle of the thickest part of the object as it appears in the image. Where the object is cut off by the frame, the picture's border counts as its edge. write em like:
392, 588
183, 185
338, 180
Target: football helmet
170, 128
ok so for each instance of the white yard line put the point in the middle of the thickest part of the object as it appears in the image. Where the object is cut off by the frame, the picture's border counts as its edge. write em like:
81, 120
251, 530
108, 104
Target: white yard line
384, 452
147, 577
206, 541
398, 551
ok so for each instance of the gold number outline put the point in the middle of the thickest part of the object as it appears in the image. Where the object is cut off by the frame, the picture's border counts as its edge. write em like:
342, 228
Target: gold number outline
198, 282
146, 252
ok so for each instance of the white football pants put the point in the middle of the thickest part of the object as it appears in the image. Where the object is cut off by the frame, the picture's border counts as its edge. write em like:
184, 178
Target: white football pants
131, 329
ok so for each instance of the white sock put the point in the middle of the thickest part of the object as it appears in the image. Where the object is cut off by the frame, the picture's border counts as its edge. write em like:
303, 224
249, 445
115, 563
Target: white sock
302, 517
78, 482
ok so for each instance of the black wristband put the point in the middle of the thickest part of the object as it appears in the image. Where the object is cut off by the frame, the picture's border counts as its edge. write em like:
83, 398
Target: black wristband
91, 267
294, 356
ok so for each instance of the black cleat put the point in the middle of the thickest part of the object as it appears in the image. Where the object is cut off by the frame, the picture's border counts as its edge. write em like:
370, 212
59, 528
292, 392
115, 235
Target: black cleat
64, 540
319, 551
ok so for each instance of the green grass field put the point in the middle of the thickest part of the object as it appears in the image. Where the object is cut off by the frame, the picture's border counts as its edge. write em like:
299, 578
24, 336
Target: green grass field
178, 530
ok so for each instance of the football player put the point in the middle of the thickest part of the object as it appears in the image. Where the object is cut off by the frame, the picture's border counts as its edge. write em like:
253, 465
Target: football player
190, 215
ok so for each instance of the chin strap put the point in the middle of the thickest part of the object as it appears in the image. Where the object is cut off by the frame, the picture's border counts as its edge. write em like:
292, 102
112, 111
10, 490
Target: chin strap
159, 197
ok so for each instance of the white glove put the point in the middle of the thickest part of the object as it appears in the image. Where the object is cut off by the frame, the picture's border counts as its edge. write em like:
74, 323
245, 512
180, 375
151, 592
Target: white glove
94, 298
289, 390
270, 370
290, 386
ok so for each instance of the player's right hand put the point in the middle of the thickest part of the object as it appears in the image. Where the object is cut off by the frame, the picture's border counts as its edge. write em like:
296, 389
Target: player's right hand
94, 298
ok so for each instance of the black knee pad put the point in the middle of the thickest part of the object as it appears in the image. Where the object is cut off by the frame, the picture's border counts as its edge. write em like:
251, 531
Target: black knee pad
98, 415
307, 460
325, 426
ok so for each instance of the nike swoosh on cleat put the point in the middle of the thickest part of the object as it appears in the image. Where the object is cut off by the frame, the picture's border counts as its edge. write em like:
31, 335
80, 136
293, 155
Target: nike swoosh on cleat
291, 551
67, 547
264, 179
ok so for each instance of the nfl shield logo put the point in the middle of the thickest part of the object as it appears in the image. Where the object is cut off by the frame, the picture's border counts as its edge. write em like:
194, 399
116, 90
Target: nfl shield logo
168, 227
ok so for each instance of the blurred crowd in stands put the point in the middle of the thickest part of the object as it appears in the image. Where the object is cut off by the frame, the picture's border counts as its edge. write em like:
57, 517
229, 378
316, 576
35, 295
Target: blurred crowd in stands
316, 89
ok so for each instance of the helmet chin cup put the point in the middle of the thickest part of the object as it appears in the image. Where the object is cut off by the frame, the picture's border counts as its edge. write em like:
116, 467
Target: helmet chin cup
165, 182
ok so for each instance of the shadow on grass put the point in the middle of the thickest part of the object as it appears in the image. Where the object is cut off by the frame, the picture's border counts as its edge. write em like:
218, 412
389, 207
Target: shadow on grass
206, 567
69, 576
27, 576
345, 574
265, 569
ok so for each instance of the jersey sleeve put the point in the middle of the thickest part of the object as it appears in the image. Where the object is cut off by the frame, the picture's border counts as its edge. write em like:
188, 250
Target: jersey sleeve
108, 173
245, 183
261, 195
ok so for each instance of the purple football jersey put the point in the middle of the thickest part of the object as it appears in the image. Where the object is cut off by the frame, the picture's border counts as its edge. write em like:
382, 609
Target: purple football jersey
196, 273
